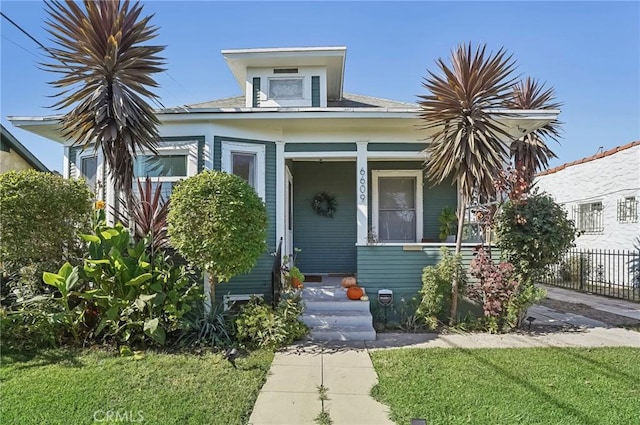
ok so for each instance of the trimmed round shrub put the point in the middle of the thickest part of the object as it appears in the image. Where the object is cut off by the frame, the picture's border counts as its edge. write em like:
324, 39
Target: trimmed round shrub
219, 223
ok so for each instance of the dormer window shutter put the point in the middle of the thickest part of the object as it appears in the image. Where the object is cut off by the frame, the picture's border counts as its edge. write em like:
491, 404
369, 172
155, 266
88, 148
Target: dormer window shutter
256, 92
315, 91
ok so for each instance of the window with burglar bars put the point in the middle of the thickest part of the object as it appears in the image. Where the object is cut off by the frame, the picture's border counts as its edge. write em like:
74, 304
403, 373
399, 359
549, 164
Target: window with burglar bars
628, 210
588, 217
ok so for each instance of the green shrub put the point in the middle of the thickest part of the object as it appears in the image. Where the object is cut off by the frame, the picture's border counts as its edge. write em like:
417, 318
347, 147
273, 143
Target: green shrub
259, 325
436, 287
218, 223
201, 328
41, 215
533, 234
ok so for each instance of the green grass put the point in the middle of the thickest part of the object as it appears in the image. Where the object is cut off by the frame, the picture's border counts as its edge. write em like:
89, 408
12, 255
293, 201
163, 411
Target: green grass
510, 386
64, 387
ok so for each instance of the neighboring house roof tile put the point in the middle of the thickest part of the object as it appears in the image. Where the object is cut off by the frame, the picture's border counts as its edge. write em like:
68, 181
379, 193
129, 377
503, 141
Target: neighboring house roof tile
9, 140
589, 158
348, 101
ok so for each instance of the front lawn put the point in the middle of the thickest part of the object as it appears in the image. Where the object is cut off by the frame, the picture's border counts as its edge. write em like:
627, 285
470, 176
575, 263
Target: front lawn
579, 386
65, 387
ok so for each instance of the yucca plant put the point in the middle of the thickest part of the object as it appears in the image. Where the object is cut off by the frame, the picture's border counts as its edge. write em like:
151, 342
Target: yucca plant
531, 153
105, 77
148, 215
468, 144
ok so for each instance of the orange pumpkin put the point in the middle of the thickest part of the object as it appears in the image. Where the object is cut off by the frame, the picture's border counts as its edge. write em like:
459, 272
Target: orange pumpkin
354, 293
348, 282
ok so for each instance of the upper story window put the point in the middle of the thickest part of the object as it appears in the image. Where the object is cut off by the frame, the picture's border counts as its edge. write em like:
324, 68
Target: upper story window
588, 217
628, 210
286, 88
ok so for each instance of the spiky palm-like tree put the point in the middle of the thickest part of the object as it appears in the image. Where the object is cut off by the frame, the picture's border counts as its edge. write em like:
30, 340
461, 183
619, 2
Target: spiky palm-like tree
105, 77
530, 153
468, 144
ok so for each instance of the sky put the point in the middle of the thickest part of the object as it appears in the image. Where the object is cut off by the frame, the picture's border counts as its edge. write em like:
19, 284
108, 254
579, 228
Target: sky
588, 51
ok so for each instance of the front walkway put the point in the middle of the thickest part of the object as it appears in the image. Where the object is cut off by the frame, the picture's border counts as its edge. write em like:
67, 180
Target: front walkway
291, 395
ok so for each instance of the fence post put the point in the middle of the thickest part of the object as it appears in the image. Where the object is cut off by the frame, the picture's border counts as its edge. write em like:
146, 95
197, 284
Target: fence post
581, 271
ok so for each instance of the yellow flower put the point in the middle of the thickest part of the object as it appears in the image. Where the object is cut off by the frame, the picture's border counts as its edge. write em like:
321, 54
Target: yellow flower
100, 205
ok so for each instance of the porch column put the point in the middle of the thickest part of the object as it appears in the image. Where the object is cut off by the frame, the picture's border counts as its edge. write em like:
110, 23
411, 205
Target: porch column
362, 191
280, 192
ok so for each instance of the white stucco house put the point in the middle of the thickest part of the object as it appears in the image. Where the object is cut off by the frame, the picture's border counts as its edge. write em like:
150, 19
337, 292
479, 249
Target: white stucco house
293, 133
601, 194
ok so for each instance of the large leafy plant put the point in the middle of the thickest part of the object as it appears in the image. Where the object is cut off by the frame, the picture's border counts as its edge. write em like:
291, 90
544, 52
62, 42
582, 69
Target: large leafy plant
534, 233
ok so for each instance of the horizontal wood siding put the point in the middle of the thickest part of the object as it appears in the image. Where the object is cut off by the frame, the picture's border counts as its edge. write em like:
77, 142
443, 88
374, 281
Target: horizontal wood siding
391, 267
434, 198
320, 147
327, 244
396, 147
258, 281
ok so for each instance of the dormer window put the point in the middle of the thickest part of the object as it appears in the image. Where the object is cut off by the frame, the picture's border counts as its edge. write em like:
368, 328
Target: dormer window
286, 88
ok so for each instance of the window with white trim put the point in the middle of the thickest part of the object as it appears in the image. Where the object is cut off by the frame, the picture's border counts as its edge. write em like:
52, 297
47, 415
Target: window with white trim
166, 168
397, 205
246, 160
588, 217
286, 88
89, 171
628, 210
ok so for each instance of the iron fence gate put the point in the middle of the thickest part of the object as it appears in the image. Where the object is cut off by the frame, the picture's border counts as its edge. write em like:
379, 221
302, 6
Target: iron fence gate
613, 273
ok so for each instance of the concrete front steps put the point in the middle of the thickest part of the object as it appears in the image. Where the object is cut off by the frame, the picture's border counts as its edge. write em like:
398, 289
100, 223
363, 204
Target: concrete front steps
331, 316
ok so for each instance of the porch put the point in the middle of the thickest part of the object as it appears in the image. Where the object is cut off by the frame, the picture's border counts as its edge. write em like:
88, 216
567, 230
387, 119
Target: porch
381, 195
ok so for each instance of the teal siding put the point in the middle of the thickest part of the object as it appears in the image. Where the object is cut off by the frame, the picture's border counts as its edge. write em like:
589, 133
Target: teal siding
258, 281
434, 198
315, 91
320, 147
391, 267
327, 244
396, 147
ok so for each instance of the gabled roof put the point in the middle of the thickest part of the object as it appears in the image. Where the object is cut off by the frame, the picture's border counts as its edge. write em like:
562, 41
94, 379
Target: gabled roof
9, 140
348, 101
589, 158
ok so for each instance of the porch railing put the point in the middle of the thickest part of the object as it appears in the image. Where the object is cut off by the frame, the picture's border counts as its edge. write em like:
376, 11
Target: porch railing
612, 273
276, 276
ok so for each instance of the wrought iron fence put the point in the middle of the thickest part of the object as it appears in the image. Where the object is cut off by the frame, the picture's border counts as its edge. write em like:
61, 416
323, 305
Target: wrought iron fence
612, 273
276, 276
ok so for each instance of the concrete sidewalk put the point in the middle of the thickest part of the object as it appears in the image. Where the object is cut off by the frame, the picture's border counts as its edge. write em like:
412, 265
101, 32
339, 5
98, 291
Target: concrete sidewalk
598, 302
291, 394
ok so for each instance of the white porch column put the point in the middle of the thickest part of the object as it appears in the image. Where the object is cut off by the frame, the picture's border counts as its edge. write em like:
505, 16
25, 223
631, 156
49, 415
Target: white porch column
362, 192
280, 193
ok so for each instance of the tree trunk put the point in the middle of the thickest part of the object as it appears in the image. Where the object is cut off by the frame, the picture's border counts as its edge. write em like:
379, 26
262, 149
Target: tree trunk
212, 289
456, 278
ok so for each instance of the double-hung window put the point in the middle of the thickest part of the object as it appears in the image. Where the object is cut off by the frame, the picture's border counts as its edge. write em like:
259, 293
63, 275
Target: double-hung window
397, 205
628, 210
89, 170
246, 160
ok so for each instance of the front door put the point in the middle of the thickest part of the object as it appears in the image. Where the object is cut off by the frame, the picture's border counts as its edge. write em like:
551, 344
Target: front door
288, 214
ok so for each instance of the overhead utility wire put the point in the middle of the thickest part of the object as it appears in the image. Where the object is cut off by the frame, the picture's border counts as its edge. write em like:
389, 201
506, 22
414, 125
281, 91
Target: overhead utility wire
48, 50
